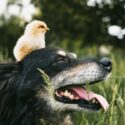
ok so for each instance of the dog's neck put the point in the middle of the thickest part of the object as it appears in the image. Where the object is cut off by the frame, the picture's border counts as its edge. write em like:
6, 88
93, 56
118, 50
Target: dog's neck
56, 119
46, 116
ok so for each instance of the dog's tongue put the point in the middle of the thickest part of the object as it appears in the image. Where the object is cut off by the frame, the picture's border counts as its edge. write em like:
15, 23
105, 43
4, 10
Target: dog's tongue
88, 95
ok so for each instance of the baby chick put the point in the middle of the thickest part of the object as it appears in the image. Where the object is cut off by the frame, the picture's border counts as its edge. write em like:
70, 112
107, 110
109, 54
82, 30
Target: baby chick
32, 39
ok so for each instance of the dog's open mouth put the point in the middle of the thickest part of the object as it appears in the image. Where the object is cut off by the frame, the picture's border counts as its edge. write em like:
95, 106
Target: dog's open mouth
82, 97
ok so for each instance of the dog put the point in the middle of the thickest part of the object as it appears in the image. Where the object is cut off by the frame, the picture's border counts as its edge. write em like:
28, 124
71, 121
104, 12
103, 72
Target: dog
48, 83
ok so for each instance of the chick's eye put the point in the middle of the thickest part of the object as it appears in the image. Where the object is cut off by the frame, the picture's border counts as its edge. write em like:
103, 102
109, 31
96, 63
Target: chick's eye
41, 26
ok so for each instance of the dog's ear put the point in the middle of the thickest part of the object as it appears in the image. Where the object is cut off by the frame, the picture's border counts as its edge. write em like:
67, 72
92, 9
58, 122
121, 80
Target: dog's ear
6, 71
8, 68
19, 66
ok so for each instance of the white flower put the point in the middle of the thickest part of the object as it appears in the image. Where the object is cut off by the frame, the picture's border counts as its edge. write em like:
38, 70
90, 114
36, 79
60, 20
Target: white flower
14, 10
115, 30
3, 6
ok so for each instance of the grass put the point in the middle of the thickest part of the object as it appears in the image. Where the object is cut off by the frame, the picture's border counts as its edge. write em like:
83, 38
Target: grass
113, 90
4, 55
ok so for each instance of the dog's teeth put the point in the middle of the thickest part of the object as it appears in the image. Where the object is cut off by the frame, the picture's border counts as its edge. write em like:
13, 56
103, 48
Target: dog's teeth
57, 94
96, 102
71, 96
76, 97
66, 93
62, 93
93, 100
69, 93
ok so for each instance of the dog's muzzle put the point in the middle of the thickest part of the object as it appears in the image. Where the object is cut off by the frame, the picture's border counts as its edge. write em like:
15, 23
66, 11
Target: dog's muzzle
70, 85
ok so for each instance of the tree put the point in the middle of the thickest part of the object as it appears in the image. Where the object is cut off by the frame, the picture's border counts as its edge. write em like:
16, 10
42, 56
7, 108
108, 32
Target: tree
76, 21
73, 23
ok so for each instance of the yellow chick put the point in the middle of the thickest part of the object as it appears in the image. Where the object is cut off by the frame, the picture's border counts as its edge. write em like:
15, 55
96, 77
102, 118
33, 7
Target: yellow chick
32, 39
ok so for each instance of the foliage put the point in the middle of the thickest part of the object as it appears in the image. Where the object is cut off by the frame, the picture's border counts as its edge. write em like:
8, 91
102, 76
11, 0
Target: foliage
113, 90
75, 21
72, 23
10, 31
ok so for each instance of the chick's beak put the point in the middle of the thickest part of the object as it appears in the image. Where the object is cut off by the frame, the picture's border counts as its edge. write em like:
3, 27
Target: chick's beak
47, 29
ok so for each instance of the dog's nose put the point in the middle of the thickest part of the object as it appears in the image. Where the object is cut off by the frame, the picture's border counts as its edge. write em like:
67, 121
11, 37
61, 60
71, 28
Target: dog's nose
107, 64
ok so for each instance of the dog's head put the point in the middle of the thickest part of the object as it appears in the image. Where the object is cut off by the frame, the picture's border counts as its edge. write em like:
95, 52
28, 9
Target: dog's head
68, 78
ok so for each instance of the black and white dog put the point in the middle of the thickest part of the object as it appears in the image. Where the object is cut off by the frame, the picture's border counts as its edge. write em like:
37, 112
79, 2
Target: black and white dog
26, 98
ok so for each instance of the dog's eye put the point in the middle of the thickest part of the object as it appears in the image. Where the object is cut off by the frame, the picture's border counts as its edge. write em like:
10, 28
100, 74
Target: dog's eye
60, 63
61, 59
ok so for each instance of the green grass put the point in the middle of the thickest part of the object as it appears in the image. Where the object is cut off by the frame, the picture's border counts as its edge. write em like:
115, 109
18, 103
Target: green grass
4, 55
113, 90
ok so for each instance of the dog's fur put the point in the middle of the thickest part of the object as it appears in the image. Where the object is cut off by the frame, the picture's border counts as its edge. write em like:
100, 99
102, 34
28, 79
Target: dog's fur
26, 98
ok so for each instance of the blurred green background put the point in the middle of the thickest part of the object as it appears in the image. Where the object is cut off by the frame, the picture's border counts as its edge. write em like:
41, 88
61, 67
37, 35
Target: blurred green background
85, 27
